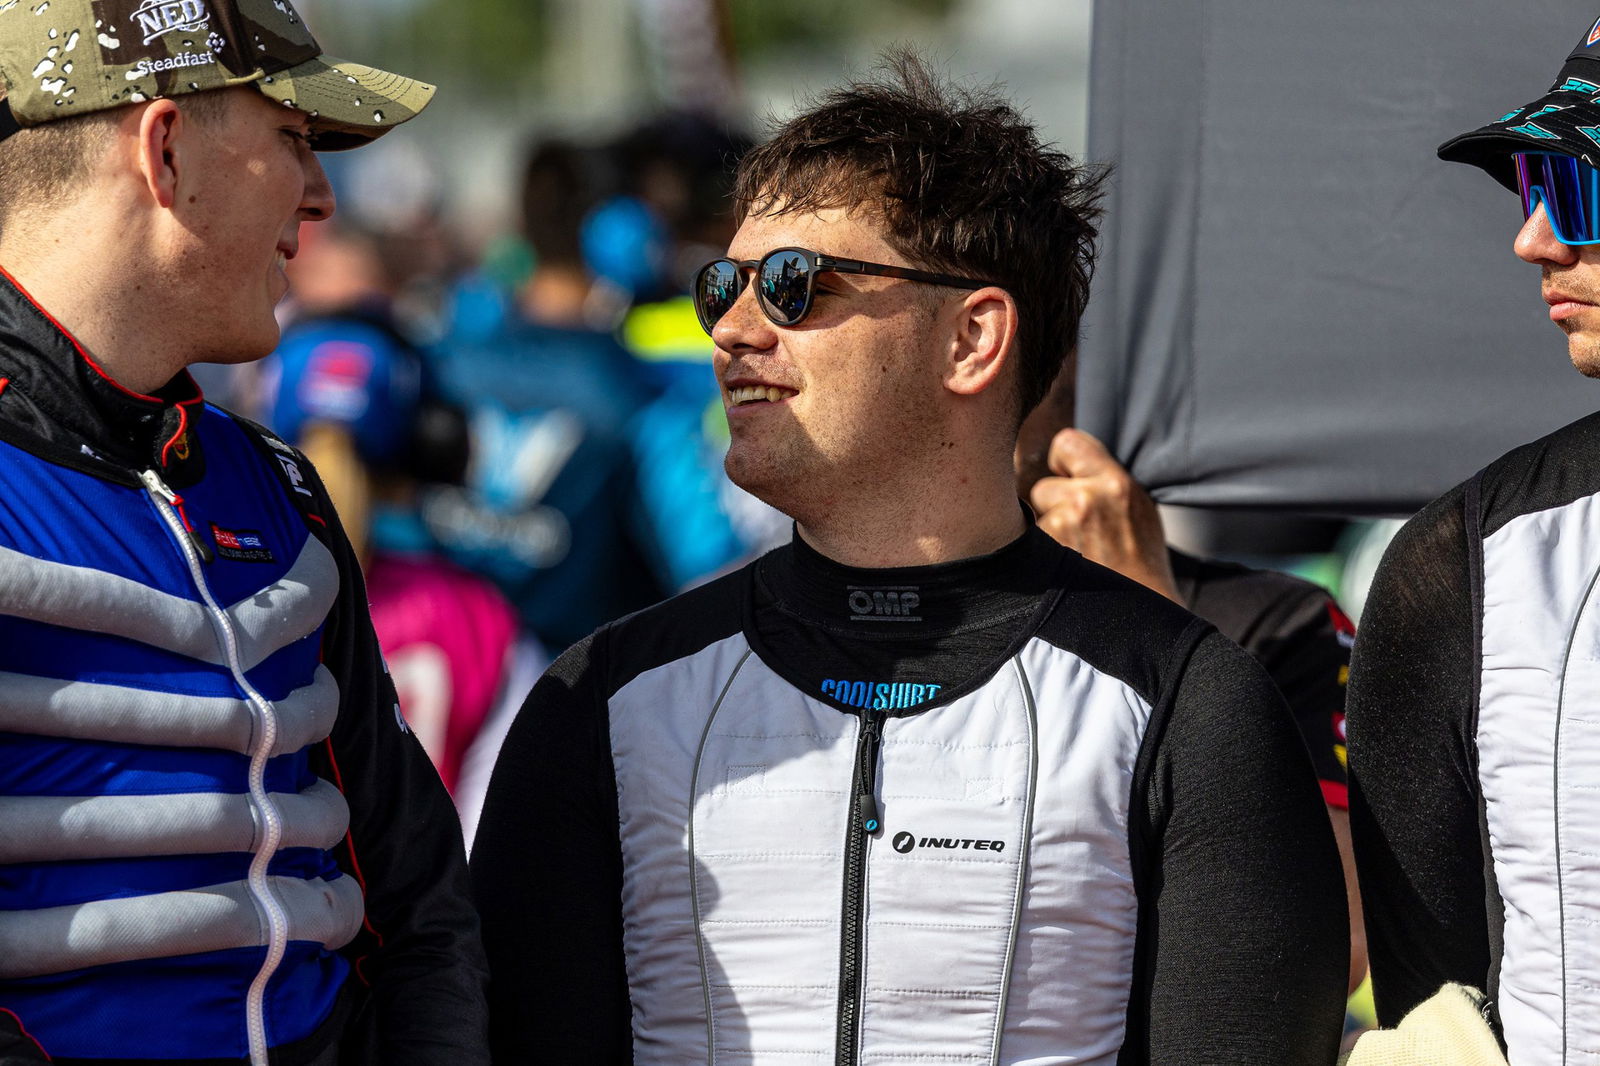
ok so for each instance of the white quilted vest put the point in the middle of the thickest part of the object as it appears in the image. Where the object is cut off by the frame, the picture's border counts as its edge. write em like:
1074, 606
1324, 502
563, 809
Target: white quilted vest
999, 901
1538, 744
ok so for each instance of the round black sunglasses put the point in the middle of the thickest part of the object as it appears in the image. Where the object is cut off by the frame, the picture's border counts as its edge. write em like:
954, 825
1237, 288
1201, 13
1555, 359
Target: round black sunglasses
787, 282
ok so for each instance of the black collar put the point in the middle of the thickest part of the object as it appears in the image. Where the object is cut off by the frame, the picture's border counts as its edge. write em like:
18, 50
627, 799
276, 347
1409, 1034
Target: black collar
56, 399
912, 600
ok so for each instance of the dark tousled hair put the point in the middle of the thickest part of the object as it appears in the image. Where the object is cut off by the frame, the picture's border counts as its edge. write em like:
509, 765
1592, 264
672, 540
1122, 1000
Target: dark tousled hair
962, 185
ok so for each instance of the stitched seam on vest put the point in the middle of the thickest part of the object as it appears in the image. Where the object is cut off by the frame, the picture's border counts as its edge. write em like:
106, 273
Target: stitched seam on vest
694, 878
1493, 902
1555, 772
1025, 849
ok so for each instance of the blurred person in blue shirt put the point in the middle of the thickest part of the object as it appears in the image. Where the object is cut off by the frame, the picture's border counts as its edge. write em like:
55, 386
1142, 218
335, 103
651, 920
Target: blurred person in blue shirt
672, 213
350, 388
550, 508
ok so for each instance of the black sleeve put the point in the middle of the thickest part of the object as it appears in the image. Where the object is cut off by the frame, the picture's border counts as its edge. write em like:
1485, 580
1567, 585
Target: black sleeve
1309, 660
547, 873
1243, 936
419, 953
1414, 803
1294, 629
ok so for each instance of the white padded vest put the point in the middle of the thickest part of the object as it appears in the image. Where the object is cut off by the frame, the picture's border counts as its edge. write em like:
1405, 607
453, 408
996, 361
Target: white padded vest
999, 897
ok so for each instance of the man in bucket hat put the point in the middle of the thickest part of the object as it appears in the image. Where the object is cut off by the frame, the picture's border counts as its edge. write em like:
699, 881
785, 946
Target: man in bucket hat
218, 840
1474, 744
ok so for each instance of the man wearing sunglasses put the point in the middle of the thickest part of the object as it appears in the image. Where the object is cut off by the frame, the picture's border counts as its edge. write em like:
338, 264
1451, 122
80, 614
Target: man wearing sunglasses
1474, 744
921, 785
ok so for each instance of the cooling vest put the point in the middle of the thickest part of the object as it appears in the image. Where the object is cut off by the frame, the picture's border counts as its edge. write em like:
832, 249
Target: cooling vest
1475, 750
1538, 741
166, 882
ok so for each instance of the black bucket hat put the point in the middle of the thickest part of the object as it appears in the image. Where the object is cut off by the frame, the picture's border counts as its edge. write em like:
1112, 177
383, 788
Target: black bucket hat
1564, 121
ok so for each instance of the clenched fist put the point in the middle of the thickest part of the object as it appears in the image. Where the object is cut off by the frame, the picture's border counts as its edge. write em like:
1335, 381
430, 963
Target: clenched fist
1093, 506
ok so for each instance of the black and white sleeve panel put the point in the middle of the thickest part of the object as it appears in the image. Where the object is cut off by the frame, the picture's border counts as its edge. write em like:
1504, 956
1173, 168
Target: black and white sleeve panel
1475, 750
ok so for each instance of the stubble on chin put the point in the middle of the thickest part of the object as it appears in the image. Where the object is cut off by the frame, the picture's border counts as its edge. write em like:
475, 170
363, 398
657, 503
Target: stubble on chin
1585, 353
761, 475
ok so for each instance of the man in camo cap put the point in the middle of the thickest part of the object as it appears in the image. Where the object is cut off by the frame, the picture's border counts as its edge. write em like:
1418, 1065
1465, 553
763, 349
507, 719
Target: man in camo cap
219, 841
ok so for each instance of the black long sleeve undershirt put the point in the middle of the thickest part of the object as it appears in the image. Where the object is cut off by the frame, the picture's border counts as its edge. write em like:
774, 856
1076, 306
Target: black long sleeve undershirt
1414, 800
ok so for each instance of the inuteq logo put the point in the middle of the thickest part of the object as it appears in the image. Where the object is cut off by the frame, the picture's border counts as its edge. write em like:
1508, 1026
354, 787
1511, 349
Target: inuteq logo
907, 842
157, 18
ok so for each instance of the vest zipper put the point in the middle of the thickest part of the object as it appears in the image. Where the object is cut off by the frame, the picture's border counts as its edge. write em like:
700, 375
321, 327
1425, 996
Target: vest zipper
269, 820
864, 822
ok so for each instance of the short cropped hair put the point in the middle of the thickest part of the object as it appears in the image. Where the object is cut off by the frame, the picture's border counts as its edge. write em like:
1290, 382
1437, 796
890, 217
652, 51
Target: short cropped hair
39, 165
962, 185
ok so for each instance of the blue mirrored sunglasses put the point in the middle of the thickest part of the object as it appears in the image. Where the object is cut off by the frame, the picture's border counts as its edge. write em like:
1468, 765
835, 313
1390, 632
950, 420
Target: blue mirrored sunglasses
1568, 188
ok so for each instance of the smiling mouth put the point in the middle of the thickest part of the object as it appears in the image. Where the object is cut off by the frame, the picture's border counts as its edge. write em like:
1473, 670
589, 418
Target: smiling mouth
747, 394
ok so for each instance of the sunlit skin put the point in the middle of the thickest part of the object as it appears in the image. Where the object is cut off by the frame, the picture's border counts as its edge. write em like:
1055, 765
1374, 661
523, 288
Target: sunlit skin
252, 182
1570, 286
172, 251
888, 442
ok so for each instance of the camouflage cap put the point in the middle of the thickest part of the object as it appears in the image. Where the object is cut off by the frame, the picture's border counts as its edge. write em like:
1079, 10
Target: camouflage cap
69, 57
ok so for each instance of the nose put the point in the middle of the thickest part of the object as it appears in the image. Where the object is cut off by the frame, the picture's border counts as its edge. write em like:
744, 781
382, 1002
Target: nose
744, 327
1536, 242
317, 201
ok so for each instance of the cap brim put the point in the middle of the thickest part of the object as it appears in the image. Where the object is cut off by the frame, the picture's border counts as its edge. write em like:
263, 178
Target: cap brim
1564, 121
349, 104
1490, 149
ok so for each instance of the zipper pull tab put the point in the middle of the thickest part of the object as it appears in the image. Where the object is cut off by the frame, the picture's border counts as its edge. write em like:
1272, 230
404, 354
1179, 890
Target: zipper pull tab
153, 482
867, 800
868, 807
202, 548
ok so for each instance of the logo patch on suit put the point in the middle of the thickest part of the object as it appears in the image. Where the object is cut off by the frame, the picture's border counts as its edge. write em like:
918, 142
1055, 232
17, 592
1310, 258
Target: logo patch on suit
241, 545
296, 479
884, 603
907, 842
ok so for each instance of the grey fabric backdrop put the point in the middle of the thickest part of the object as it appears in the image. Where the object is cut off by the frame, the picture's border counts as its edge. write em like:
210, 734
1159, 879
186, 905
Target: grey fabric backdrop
1297, 305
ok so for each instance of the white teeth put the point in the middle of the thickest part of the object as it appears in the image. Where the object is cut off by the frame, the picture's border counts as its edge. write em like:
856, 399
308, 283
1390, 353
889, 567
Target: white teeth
280, 259
757, 393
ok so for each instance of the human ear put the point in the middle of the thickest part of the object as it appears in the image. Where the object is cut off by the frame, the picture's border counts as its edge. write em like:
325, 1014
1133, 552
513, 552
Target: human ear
985, 334
156, 150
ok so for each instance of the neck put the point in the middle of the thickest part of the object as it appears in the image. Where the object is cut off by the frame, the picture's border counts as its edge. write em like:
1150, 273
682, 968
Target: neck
947, 518
89, 293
